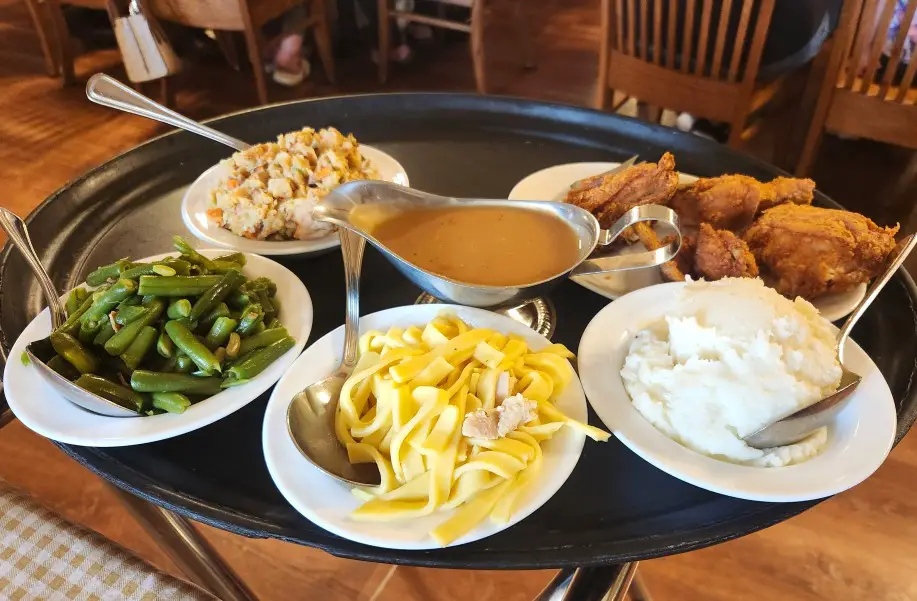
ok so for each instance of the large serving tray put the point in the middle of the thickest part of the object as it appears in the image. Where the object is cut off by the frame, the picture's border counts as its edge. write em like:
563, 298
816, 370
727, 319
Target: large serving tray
615, 507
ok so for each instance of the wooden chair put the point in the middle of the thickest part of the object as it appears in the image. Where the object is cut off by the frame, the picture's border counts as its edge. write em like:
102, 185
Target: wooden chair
692, 65
475, 29
852, 98
249, 16
54, 35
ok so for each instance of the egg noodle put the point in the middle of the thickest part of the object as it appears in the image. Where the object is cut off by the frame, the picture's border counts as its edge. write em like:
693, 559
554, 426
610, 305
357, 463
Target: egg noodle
403, 409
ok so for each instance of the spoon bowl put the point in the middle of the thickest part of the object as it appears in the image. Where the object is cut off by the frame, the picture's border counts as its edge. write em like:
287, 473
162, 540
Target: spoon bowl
41, 351
361, 206
804, 422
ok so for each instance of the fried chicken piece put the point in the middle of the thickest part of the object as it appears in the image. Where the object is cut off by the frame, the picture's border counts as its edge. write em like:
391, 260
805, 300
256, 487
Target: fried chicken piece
809, 251
730, 202
787, 189
683, 263
608, 197
722, 254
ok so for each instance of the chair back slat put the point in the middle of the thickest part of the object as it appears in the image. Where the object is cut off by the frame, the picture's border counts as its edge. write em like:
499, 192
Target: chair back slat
721, 32
741, 34
657, 32
861, 39
644, 29
894, 59
700, 59
878, 41
631, 28
619, 25
907, 81
670, 46
687, 37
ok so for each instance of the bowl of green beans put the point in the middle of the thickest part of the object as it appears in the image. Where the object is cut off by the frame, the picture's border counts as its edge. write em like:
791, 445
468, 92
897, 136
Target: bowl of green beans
182, 339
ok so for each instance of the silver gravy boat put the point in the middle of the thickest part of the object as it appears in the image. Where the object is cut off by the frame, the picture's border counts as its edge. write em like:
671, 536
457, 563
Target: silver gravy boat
362, 205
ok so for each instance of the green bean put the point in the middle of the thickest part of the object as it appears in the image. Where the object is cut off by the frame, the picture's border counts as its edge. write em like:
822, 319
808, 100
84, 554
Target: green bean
184, 364
70, 349
61, 366
180, 267
259, 360
268, 284
169, 364
219, 332
129, 313
265, 338
191, 346
233, 345
102, 274
177, 285
178, 308
88, 331
274, 323
220, 354
131, 301
75, 299
221, 310
140, 269
105, 333
164, 345
140, 346
251, 317
118, 343
264, 299
146, 299
206, 302
239, 299
109, 300
152, 381
71, 326
116, 393
193, 256
171, 402
237, 258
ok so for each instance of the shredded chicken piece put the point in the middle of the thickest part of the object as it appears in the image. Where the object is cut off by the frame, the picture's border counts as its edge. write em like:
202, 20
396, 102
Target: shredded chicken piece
722, 254
491, 424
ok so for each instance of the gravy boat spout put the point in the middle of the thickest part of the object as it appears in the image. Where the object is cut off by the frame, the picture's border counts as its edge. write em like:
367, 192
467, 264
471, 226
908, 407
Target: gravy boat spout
363, 205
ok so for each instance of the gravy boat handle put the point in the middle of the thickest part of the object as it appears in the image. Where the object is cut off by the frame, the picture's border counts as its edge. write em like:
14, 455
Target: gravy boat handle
597, 263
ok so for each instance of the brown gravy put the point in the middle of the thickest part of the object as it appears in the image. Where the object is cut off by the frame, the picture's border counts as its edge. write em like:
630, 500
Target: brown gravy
485, 246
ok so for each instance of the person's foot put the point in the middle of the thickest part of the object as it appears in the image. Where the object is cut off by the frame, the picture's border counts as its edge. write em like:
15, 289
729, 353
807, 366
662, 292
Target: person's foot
292, 79
290, 68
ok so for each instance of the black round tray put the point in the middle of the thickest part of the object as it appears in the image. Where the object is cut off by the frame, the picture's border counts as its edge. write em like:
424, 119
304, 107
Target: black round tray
615, 507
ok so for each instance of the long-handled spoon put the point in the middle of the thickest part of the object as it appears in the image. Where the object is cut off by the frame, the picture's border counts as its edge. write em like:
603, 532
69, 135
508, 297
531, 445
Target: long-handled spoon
803, 423
311, 414
40, 351
110, 92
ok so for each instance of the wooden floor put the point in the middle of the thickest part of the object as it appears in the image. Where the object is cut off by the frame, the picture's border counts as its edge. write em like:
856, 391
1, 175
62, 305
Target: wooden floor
859, 546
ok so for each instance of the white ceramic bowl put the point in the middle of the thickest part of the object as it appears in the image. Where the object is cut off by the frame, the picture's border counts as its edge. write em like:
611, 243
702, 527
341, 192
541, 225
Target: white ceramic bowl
196, 201
328, 502
858, 440
41, 409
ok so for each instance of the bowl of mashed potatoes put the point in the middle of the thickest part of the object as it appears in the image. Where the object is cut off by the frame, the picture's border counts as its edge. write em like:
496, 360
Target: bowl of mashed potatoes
681, 372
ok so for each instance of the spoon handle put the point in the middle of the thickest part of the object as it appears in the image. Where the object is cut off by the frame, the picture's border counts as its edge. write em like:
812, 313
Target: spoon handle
907, 245
110, 92
352, 246
16, 229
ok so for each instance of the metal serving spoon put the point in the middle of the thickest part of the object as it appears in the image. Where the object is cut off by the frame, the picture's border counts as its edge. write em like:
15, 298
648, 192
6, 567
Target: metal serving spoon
41, 351
310, 416
806, 421
110, 92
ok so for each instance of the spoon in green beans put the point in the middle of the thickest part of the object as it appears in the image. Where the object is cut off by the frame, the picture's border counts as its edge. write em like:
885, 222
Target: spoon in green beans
42, 350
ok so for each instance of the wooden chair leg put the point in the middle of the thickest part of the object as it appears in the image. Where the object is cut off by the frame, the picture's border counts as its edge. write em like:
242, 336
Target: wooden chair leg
64, 43
167, 92
322, 35
648, 112
44, 37
384, 41
253, 43
524, 34
477, 45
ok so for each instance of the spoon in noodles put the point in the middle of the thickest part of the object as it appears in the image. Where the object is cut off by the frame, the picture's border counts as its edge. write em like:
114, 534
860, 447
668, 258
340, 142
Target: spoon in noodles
311, 413
804, 422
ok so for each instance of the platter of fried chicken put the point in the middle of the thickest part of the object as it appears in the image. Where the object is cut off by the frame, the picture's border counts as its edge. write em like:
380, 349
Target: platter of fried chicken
733, 226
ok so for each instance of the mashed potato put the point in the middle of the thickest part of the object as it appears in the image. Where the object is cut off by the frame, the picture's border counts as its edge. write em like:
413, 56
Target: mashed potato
735, 357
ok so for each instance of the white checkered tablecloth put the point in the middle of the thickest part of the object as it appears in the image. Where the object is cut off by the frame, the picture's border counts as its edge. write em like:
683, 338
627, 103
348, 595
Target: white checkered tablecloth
43, 557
